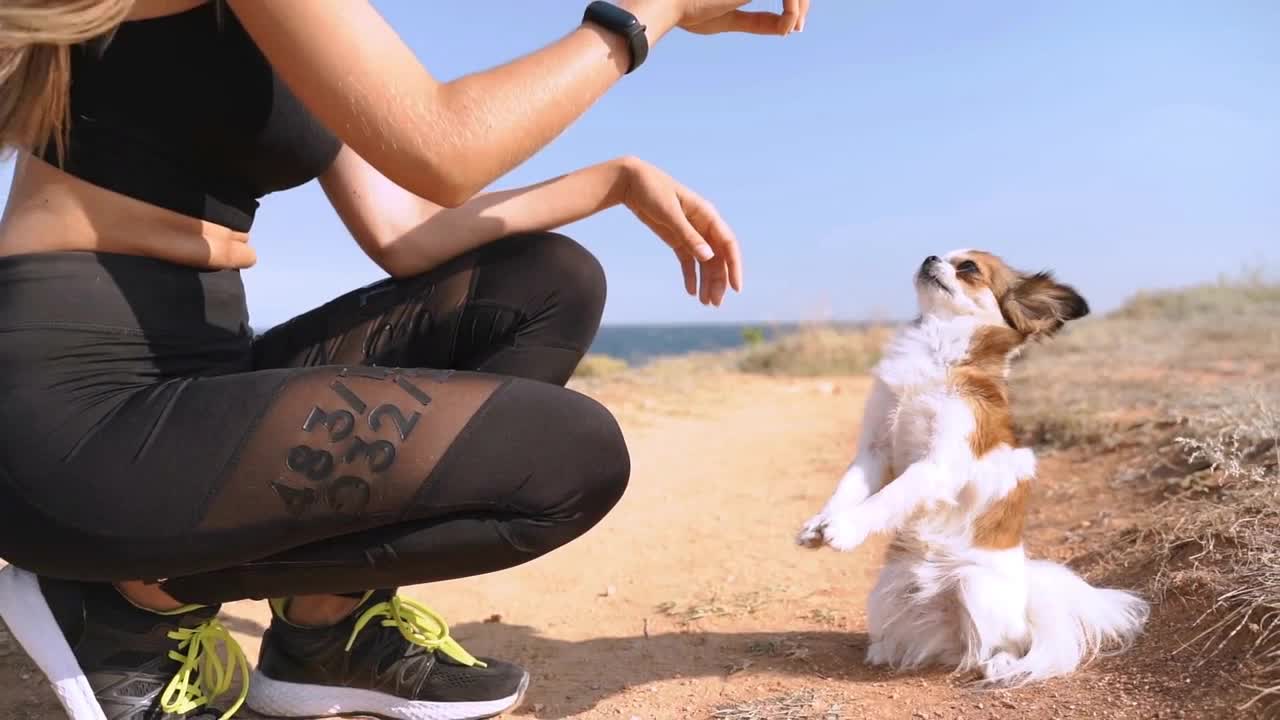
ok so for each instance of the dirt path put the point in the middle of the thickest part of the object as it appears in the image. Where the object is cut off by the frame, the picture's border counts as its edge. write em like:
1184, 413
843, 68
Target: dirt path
691, 596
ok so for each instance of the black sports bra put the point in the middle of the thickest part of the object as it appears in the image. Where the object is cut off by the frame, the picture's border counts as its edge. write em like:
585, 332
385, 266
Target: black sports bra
184, 112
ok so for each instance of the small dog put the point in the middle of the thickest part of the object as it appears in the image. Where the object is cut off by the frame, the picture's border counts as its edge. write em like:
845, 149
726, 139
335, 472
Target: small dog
937, 463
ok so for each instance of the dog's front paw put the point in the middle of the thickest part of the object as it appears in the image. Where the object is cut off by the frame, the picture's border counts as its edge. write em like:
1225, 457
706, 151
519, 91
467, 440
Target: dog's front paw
843, 533
812, 534
831, 527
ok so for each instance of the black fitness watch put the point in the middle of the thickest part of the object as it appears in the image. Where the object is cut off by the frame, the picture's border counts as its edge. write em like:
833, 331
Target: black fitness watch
620, 22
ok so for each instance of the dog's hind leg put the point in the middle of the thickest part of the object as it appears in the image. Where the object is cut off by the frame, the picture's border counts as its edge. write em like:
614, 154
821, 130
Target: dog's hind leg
911, 624
993, 602
886, 606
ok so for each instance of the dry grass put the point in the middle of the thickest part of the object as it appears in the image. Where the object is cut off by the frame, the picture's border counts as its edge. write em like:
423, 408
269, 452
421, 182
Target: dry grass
817, 351
1217, 535
1142, 366
803, 705
738, 605
813, 351
1184, 383
598, 366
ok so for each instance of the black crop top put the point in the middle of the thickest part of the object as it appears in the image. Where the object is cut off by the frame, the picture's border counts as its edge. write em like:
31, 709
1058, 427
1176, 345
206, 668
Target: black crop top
184, 112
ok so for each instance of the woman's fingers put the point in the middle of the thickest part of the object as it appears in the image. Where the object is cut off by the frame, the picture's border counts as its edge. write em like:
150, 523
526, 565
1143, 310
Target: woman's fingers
740, 21
688, 236
689, 269
793, 15
712, 227
697, 224
681, 244
704, 244
674, 229
714, 282
755, 22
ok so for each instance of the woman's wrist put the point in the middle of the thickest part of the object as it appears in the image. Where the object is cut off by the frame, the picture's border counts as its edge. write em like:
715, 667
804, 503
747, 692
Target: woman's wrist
622, 170
655, 15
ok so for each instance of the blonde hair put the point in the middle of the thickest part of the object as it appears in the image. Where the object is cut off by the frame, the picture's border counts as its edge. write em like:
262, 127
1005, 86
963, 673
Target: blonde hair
35, 64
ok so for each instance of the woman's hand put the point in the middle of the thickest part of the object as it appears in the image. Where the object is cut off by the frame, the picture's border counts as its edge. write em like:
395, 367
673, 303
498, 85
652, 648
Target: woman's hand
709, 17
701, 239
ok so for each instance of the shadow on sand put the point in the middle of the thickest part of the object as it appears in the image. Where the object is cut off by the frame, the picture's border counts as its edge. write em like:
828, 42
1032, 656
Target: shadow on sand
574, 677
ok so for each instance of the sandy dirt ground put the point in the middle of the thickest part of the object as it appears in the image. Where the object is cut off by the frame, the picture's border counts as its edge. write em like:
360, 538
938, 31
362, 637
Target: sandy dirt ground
691, 600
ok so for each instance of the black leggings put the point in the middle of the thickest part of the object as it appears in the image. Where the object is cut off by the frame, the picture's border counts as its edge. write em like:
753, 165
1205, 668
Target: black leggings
412, 431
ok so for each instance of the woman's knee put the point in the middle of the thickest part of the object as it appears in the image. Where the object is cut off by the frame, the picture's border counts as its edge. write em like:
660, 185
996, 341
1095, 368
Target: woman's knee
604, 467
570, 269
562, 453
561, 283
593, 465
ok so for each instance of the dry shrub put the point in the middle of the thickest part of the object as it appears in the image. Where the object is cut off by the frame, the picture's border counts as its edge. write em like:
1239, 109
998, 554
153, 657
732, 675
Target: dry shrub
817, 351
1138, 368
802, 705
596, 366
1218, 534
1181, 381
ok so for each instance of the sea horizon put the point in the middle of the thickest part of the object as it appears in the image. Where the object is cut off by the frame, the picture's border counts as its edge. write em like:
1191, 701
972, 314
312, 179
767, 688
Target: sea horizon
638, 343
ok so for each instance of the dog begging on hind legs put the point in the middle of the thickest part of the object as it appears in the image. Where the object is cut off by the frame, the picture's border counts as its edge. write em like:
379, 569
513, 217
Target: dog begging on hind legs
937, 466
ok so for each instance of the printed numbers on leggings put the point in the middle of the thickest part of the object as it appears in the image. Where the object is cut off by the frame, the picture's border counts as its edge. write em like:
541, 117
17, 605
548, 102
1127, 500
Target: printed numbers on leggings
348, 494
315, 464
340, 423
380, 453
403, 426
296, 500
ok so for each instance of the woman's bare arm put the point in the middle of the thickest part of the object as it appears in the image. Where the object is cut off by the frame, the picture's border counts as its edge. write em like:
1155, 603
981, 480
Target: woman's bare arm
447, 141
442, 141
406, 235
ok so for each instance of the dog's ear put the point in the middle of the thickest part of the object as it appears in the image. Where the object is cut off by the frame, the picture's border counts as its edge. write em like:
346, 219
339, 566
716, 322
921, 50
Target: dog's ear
1038, 305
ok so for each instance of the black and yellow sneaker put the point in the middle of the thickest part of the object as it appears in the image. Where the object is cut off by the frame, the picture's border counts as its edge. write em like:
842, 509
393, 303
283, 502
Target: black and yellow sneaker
110, 660
392, 658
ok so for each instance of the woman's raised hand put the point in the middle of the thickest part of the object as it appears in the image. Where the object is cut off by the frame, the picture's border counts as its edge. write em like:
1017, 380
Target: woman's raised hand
709, 17
703, 242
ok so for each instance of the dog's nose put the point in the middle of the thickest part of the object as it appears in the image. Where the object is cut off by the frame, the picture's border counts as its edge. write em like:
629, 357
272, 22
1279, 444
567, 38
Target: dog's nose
932, 259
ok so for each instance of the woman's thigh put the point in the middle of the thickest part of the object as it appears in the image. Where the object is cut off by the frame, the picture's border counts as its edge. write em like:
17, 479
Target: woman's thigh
526, 306
208, 473
116, 475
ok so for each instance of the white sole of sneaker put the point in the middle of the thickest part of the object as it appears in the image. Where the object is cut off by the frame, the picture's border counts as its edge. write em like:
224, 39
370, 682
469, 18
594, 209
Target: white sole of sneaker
276, 699
24, 610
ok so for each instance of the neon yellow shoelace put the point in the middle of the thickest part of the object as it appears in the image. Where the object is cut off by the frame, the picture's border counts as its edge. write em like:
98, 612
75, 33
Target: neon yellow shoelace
203, 675
418, 624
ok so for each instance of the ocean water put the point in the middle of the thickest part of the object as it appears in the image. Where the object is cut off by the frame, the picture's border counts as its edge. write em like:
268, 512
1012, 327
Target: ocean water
638, 344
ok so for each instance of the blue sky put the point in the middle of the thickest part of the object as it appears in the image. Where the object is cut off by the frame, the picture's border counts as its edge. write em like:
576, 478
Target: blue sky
1126, 145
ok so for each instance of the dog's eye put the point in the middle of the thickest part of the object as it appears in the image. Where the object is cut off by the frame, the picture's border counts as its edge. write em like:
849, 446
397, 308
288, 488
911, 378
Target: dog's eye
966, 267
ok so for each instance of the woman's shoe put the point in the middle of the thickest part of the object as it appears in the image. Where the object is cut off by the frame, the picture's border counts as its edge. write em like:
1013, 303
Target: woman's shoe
391, 658
110, 660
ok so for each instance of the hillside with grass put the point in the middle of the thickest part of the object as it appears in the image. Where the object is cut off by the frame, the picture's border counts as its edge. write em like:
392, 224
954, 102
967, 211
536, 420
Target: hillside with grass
1179, 391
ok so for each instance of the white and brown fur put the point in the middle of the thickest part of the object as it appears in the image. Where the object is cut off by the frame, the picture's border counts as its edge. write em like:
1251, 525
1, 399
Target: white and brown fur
938, 465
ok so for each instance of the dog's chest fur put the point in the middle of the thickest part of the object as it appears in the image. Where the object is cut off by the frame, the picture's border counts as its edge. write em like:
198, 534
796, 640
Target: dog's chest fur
907, 436
914, 369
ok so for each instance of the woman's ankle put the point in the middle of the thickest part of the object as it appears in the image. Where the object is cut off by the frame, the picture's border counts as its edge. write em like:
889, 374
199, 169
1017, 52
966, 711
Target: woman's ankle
149, 597
317, 610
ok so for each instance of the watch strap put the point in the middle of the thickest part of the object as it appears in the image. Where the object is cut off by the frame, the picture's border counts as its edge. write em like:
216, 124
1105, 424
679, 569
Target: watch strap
620, 22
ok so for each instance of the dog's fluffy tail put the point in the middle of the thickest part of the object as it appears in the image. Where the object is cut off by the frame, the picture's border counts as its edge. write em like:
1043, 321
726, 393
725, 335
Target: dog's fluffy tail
1069, 622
